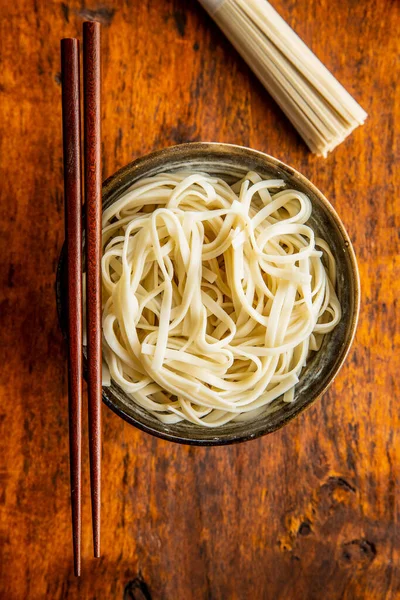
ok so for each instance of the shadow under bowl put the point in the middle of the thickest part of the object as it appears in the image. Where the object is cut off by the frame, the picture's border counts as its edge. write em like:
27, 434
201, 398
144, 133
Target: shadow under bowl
227, 160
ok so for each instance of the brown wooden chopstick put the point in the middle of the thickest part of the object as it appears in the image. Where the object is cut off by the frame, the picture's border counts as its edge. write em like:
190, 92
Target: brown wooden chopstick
73, 236
92, 151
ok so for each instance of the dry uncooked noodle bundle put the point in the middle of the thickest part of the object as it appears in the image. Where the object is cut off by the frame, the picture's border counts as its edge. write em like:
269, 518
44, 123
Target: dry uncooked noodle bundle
213, 295
322, 111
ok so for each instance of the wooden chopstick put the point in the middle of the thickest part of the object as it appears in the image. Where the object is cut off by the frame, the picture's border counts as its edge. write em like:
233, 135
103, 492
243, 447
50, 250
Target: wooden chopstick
73, 236
92, 150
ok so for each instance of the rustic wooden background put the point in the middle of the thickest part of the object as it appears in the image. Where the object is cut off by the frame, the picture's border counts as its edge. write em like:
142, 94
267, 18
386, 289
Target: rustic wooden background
310, 512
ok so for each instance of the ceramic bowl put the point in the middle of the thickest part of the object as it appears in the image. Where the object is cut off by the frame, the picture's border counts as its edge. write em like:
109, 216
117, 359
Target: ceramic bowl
226, 159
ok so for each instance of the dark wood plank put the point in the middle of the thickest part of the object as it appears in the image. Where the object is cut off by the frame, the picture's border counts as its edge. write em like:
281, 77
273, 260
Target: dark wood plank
309, 512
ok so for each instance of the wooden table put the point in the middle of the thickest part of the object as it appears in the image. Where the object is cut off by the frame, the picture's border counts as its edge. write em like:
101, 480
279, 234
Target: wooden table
310, 512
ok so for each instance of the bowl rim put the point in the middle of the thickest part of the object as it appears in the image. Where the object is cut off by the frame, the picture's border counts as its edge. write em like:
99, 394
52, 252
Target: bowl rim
115, 180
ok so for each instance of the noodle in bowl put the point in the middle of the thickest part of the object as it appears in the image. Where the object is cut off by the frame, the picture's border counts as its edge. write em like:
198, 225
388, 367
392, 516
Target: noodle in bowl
230, 293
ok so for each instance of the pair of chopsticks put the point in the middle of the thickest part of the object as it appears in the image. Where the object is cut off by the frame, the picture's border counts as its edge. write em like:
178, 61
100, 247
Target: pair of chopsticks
70, 72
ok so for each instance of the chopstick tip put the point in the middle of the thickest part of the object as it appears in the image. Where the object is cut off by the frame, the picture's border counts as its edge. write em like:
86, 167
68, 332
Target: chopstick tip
96, 539
77, 566
69, 40
91, 25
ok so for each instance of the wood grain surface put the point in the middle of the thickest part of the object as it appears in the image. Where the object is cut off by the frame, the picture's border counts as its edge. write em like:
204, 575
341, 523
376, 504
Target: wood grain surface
310, 512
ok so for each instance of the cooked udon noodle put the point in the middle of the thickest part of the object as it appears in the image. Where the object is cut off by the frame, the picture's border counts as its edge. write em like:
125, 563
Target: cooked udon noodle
214, 295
